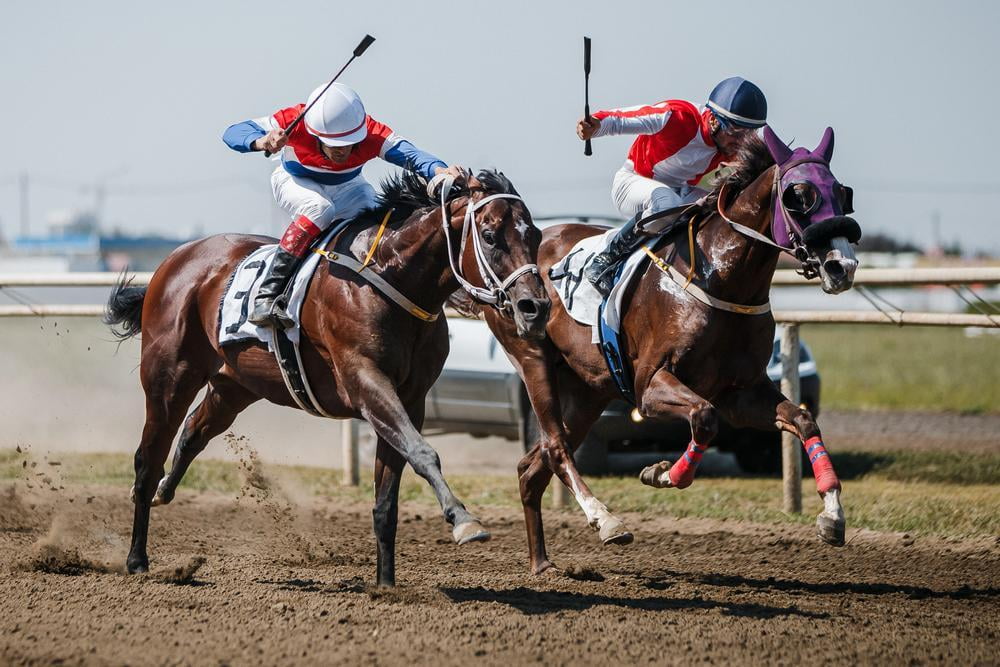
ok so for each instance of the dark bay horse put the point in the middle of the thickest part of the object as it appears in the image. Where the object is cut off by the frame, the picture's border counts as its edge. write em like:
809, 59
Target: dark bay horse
365, 356
689, 359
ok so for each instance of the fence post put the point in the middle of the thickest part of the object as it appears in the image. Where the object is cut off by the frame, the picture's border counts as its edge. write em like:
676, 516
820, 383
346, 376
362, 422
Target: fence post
791, 458
349, 451
558, 493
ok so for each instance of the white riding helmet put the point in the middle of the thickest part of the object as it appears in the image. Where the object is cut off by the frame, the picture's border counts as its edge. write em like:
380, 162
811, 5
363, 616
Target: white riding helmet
338, 119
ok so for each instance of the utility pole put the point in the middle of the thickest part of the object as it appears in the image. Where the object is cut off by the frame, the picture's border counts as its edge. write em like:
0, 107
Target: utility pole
25, 213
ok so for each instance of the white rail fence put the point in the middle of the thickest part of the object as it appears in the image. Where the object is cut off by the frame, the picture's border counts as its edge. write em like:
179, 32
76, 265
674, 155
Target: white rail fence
791, 458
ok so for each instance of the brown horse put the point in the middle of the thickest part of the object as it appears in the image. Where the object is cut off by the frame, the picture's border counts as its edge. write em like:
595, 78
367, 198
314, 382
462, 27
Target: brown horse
689, 359
365, 356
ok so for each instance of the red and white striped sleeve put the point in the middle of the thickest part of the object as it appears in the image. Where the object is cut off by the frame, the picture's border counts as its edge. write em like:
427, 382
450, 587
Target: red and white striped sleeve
642, 119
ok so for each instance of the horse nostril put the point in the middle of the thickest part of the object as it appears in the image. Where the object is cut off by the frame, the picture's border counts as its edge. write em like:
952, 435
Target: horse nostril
533, 309
835, 270
527, 307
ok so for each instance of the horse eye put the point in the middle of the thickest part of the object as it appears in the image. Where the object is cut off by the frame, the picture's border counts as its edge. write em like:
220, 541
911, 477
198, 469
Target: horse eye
489, 236
800, 198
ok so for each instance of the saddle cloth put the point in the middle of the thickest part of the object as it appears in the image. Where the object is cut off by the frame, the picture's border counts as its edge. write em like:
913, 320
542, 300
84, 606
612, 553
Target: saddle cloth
242, 289
580, 298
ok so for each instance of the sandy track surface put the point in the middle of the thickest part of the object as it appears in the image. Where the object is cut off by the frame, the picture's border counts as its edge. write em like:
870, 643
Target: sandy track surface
246, 581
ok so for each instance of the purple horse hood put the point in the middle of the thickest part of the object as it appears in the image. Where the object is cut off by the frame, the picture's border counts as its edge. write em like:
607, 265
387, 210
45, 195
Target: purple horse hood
802, 166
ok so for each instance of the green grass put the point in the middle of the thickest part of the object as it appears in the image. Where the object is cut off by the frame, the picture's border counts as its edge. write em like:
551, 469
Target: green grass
920, 493
909, 368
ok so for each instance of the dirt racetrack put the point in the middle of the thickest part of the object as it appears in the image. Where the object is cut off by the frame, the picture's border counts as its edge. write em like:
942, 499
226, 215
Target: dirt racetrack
240, 581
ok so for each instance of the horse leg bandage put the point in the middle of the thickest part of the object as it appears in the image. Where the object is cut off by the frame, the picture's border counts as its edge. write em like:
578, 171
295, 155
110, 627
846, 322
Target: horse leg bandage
826, 478
299, 236
682, 473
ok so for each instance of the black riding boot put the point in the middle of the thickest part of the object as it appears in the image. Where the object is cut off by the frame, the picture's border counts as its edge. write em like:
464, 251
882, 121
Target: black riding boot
269, 306
601, 270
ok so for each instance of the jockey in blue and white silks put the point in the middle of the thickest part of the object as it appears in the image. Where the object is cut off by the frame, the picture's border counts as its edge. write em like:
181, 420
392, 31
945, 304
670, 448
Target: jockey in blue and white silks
319, 178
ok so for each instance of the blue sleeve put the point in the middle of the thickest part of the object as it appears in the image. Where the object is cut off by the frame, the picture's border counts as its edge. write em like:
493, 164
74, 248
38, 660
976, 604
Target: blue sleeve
240, 137
406, 155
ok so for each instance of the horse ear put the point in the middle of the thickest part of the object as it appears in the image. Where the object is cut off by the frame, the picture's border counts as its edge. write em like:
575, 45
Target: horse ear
779, 151
825, 148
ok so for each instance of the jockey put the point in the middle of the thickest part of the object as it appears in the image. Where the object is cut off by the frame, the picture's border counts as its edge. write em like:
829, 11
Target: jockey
674, 158
319, 178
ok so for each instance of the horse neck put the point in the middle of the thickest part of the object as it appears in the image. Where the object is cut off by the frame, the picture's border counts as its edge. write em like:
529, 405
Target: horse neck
735, 267
415, 257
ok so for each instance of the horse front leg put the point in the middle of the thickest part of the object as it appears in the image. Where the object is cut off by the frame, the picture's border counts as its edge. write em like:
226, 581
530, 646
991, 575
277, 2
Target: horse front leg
764, 407
385, 515
380, 405
556, 451
665, 396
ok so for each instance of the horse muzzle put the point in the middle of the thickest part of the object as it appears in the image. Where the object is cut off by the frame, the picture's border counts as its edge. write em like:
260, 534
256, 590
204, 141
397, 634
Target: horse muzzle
836, 269
531, 315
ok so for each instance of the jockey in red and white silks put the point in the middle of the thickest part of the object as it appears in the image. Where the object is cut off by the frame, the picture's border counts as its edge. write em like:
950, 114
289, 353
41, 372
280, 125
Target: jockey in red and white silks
319, 178
679, 148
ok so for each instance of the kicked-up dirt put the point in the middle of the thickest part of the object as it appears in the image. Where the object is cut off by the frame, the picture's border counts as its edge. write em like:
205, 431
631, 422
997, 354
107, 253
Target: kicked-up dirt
250, 580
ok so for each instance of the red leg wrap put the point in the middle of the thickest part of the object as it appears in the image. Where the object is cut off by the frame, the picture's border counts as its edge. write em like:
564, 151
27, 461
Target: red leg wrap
826, 478
299, 236
681, 474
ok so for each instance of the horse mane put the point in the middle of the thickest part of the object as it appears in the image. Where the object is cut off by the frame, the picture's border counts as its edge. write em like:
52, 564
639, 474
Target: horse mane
406, 192
752, 159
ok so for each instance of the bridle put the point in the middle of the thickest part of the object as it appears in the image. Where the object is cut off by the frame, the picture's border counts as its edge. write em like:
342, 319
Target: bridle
495, 293
780, 215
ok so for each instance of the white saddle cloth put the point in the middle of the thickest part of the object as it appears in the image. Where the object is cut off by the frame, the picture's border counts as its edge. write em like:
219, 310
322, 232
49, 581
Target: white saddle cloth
237, 303
580, 298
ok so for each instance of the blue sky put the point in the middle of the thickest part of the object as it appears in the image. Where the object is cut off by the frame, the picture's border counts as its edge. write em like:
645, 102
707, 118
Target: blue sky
135, 96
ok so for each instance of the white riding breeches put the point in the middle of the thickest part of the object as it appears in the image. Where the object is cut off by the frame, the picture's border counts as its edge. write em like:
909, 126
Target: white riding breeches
320, 203
635, 194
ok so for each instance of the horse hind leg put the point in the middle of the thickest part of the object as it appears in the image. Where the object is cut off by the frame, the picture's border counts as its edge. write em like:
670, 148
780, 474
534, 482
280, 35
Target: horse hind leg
223, 401
168, 395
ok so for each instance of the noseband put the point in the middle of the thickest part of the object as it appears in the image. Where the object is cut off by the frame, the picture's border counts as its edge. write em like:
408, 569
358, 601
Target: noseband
495, 292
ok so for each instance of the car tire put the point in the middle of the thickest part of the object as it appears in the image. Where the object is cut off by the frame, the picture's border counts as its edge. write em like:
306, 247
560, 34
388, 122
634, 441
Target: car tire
758, 453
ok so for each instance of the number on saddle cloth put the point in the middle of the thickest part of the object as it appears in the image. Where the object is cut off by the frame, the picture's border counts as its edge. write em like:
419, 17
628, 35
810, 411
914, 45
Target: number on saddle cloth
244, 296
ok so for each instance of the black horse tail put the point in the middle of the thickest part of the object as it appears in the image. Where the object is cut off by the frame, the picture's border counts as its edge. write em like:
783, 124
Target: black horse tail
124, 311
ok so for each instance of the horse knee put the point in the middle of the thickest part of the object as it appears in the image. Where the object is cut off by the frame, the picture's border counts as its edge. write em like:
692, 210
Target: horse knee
804, 422
704, 423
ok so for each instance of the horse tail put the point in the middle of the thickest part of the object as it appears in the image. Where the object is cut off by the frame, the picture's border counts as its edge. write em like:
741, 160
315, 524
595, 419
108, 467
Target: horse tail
125, 308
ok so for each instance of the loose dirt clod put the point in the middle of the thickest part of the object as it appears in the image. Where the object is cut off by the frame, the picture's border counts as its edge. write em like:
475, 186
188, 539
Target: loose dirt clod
583, 573
183, 574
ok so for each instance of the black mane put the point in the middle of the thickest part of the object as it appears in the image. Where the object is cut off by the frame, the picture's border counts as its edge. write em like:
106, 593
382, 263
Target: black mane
406, 192
752, 160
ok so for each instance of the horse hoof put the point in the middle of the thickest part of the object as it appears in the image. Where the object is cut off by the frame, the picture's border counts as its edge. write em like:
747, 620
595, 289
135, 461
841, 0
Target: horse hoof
470, 531
545, 567
614, 532
656, 475
162, 497
831, 530
137, 565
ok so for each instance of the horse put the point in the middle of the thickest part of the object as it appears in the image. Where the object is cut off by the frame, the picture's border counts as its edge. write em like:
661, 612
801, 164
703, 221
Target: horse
365, 357
690, 359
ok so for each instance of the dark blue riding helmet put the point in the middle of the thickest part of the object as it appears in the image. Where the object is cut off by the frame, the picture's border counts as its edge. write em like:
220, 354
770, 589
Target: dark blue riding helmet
737, 101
